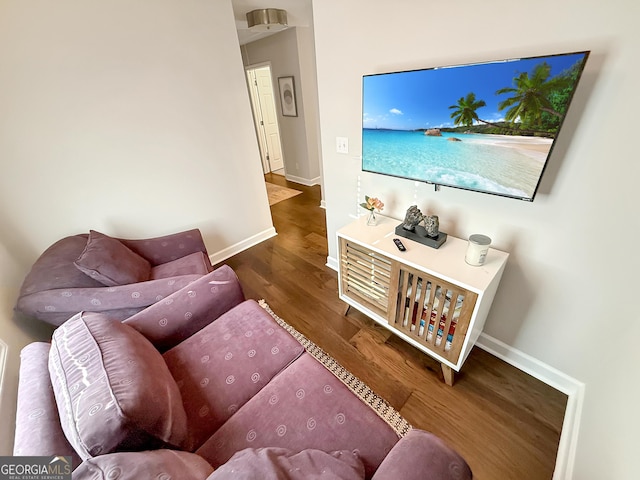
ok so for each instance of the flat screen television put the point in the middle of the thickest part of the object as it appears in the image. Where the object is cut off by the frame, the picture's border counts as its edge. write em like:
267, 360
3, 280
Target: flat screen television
487, 127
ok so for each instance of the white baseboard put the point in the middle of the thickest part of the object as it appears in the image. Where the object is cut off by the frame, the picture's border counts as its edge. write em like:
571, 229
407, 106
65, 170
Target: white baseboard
241, 246
545, 373
332, 263
309, 182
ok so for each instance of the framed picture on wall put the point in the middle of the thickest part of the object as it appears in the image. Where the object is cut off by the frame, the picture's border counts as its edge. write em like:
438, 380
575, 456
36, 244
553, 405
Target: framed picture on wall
287, 96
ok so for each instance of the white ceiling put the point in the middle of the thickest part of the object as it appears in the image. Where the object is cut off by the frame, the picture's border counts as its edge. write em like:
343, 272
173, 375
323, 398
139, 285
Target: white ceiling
298, 15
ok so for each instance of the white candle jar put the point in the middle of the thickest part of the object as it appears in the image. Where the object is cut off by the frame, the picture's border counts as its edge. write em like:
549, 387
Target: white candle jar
477, 249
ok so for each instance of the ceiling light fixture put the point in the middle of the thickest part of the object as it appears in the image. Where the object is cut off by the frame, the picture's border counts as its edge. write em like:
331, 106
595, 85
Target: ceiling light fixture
267, 19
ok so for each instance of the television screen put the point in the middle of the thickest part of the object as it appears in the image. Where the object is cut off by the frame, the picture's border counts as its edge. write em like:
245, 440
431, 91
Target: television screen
487, 127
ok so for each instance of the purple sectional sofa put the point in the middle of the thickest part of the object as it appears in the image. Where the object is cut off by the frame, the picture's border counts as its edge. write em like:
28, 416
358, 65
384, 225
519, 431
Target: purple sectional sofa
207, 385
97, 273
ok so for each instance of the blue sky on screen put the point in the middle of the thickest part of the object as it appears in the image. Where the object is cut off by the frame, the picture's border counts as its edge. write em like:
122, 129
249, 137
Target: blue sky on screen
421, 99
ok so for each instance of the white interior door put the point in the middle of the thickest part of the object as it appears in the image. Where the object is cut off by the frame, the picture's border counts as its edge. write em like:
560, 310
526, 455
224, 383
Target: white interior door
265, 117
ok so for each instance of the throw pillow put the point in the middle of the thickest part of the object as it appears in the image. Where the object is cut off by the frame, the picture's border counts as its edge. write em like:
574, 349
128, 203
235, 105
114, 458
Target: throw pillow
153, 464
113, 390
277, 463
194, 263
110, 262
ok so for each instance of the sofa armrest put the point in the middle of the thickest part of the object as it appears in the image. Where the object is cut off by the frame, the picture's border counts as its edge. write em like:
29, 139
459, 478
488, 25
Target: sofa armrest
58, 305
166, 248
38, 430
150, 464
180, 315
421, 455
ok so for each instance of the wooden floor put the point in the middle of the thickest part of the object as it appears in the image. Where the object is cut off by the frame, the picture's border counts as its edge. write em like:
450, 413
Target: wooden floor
505, 423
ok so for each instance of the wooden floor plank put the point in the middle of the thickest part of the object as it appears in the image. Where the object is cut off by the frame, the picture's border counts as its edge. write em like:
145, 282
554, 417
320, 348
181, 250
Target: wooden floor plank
504, 422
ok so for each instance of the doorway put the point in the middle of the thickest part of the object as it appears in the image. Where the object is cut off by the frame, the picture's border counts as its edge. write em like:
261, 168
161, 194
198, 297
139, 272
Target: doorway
265, 117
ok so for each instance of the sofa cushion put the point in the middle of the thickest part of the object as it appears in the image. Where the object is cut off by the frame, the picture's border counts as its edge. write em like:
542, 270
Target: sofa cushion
278, 463
153, 464
110, 262
38, 430
226, 363
168, 322
303, 407
421, 455
113, 390
189, 264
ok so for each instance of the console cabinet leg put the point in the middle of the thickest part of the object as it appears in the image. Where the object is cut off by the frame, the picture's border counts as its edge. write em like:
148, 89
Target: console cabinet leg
448, 374
346, 310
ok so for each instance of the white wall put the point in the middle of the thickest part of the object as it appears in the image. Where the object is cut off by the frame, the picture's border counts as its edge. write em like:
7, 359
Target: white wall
567, 294
291, 52
131, 118
128, 117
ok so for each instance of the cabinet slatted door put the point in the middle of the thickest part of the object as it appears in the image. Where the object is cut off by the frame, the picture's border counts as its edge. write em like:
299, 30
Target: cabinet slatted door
366, 276
433, 312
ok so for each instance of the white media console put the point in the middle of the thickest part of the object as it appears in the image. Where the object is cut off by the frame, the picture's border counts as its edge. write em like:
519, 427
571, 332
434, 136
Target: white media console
429, 297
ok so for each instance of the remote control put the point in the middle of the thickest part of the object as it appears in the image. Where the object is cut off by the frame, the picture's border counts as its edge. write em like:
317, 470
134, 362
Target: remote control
399, 244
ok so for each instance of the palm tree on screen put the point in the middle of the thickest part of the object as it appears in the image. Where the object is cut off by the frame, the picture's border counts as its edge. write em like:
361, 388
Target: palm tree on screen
465, 111
531, 94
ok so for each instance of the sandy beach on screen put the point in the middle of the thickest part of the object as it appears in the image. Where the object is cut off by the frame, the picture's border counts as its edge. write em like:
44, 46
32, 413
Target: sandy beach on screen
533, 147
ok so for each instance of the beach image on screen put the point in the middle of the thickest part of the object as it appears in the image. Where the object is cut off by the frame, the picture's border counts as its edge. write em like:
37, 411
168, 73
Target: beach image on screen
488, 127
